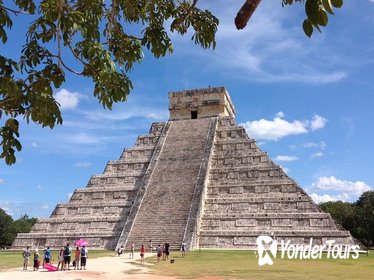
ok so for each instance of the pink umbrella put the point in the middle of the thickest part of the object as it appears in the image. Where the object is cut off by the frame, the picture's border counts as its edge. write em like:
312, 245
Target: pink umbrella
81, 242
50, 267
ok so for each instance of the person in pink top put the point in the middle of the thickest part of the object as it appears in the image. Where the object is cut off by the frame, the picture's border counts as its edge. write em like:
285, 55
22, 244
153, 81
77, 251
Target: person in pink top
142, 252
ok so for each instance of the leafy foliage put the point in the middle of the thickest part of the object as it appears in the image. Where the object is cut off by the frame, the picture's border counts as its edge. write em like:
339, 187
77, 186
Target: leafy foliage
107, 39
357, 217
10, 228
316, 12
6, 221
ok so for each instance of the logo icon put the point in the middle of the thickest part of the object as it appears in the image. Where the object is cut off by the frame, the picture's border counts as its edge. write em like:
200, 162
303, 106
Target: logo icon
266, 249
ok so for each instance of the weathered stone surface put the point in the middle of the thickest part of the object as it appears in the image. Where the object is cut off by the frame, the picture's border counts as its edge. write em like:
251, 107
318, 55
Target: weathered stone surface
197, 178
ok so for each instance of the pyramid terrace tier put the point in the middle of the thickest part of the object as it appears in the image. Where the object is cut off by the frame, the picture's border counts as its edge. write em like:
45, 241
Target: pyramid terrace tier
92, 208
247, 191
100, 239
137, 152
268, 221
107, 194
247, 239
126, 166
115, 179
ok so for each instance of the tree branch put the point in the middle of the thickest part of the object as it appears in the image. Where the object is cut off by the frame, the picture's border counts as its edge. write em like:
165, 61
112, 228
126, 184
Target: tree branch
15, 12
245, 13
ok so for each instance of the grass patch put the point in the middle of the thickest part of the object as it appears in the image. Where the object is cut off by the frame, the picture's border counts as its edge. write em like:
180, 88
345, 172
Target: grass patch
243, 265
13, 259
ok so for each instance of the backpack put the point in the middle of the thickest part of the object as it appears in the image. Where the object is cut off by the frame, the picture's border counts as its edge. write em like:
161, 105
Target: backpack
67, 251
83, 252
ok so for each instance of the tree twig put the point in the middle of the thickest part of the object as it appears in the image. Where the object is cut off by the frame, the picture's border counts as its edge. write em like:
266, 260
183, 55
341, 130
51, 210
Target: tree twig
14, 11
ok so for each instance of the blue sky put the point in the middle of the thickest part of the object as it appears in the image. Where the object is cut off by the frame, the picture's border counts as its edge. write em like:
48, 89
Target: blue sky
308, 102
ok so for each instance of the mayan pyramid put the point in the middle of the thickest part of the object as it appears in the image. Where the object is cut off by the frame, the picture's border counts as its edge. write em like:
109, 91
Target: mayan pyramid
196, 178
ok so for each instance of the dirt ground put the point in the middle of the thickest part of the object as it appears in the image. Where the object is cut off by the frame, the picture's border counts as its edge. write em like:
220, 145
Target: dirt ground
106, 268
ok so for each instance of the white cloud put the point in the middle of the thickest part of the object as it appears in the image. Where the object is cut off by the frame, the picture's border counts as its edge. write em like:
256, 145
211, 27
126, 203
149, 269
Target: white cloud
83, 164
2, 181
82, 138
272, 48
278, 128
130, 112
67, 99
34, 145
325, 197
286, 158
45, 206
7, 207
39, 187
317, 122
280, 115
332, 183
331, 189
318, 154
322, 145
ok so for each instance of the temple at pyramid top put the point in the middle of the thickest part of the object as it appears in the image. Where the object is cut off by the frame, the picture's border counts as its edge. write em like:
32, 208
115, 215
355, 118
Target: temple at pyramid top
200, 103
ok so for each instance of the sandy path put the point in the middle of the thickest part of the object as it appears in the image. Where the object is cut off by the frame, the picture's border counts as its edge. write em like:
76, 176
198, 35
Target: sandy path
101, 268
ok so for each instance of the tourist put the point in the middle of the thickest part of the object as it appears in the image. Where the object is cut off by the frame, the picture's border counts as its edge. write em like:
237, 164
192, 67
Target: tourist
142, 252
183, 248
159, 252
132, 250
36, 259
167, 248
150, 246
26, 258
77, 258
163, 252
84, 257
61, 259
67, 256
47, 256
120, 251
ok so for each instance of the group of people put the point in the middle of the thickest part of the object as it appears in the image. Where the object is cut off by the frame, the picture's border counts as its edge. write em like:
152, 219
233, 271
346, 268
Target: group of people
161, 251
64, 258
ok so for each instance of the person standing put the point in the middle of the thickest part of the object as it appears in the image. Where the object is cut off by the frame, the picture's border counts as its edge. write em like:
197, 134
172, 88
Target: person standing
61, 259
26, 258
142, 252
167, 250
120, 251
183, 248
36, 259
150, 246
67, 256
159, 252
47, 255
84, 257
77, 258
132, 250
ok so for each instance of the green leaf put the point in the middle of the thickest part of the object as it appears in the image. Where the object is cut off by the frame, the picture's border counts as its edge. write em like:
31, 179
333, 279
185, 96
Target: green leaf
327, 6
323, 19
308, 28
337, 3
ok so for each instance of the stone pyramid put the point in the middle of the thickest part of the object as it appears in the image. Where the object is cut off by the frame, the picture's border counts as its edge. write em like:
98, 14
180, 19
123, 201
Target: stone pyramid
196, 178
